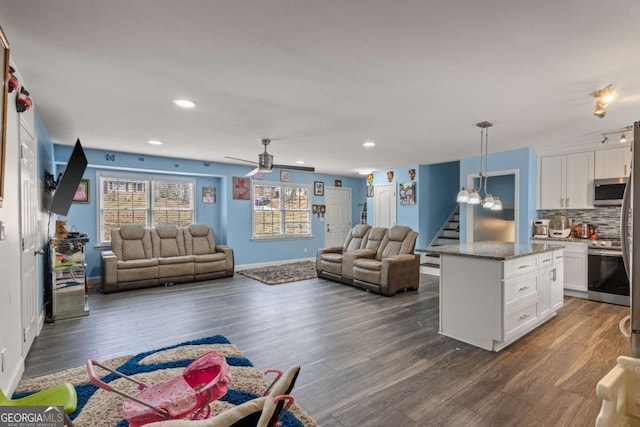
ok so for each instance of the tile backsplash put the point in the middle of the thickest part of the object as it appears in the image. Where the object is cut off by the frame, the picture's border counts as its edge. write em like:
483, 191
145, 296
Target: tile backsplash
607, 218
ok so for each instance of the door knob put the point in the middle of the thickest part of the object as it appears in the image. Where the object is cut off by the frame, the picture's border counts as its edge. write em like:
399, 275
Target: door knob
39, 252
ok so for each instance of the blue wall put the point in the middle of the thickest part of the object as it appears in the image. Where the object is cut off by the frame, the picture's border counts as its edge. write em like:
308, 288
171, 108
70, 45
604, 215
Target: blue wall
438, 190
525, 161
437, 186
231, 219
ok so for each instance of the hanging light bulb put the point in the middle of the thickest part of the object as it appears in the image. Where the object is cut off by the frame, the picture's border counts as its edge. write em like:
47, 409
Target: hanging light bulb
488, 202
623, 138
463, 196
474, 197
497, 205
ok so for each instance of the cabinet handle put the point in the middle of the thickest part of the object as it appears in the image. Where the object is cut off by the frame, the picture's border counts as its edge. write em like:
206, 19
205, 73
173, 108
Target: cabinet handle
524, 266
562, 202
554, 274
625, 170
524, 316
524, 288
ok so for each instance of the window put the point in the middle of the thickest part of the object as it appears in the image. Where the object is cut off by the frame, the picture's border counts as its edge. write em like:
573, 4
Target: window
144, 201
281, 211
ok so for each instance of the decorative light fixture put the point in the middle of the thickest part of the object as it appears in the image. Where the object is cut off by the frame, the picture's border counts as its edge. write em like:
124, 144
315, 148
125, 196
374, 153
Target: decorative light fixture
184, 103
603, 97
621, 131
369, 144
472, 196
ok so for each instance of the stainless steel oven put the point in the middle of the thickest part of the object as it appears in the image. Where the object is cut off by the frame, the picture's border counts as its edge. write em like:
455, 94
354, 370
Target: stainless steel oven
608, 281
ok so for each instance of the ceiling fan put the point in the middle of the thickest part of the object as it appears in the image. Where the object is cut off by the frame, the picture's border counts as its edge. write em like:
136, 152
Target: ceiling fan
265, 162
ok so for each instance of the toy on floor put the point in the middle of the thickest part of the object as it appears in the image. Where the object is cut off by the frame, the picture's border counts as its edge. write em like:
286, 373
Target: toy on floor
61, 395
187, 394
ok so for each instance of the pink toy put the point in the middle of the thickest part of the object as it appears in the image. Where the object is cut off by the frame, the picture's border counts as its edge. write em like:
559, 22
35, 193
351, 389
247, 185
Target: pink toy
187, 394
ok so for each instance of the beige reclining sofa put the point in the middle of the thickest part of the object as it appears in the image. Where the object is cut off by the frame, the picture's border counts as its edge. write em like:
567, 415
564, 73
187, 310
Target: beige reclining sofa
142, 257
377, 259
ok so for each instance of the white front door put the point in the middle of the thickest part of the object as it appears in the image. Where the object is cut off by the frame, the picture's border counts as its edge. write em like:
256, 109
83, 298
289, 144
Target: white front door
337, 217
384, 205
29, 237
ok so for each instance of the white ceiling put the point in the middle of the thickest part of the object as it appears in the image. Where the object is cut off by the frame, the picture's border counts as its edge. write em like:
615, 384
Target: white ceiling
321, 77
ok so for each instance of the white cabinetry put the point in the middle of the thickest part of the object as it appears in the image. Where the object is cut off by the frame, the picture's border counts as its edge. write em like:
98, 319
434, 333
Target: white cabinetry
566, 182
490, 303
613, 163
556, 294
575, 268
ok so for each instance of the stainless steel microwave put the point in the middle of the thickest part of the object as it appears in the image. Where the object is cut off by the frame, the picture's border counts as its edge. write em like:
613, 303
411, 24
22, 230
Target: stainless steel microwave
609, 192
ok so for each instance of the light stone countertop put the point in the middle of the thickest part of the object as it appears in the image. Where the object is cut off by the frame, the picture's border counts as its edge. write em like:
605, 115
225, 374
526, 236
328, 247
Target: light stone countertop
492, 250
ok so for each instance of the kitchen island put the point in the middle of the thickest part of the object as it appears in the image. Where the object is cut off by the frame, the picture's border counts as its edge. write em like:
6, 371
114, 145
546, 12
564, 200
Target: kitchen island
493, 293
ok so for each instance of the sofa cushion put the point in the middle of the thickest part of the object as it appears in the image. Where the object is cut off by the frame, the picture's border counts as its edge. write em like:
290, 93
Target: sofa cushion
368, 264
132, 250
168, 241
132, 232
137, 263
166, 231
220, 256
175, 260
199, 239
375, 237
356, 237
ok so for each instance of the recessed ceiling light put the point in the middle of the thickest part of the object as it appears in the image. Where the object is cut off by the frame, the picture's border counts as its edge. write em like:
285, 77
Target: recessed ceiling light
365, 171
369, 144
154, 142
300, 162
184, 103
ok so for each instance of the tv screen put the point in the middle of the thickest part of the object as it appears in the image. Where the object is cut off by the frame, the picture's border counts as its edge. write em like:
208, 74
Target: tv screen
69, 181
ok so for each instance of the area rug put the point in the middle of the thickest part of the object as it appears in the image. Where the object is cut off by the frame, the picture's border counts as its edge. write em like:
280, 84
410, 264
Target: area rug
282, 273
100, 408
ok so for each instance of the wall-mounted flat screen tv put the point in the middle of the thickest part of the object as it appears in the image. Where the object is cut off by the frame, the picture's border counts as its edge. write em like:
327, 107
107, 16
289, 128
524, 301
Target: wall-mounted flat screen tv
69, 181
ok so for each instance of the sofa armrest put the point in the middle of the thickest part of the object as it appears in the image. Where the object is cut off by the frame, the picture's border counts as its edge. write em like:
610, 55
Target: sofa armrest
330, 250
109, 279
399, 272
228, 252
363, 253
349, 257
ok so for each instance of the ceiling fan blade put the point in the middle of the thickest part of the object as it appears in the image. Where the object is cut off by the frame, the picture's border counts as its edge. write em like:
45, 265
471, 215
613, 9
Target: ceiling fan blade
242, 160
296, 168
252, 172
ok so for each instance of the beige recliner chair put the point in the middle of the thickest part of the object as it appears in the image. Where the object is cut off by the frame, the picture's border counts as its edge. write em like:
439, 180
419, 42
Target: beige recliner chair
329, 261
210, 260
394, 266
174, 265
130, 264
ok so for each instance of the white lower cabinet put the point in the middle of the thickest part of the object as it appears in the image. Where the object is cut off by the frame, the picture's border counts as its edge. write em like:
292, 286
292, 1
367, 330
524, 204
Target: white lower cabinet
576, 268
491, 303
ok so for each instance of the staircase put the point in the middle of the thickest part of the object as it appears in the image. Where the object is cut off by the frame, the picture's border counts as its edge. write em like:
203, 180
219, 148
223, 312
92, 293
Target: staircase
449, 234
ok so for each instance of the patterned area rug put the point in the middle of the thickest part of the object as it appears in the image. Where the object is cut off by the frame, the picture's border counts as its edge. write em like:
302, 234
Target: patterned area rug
282, 273
99, 408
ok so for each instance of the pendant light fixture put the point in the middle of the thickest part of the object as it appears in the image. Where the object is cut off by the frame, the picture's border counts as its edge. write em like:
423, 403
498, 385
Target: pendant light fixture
472, 196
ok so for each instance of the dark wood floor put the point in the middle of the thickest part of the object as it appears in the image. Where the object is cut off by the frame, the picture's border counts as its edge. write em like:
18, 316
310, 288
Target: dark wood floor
367, 360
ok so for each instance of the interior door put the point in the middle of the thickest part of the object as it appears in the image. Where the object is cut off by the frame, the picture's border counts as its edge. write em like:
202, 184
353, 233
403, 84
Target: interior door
29, 234
384, 205
337, 215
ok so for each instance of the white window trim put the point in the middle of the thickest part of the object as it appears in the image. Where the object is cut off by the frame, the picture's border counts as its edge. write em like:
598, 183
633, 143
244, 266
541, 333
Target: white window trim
283, 236
141, 177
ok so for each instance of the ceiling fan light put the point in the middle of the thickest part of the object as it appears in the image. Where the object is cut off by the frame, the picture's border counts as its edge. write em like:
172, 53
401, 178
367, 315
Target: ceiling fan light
463, 196
474, 197
184, 103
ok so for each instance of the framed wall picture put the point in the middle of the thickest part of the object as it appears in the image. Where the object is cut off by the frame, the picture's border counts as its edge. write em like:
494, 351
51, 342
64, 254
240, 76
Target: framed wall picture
241, 189
318, 188
208, 194
408, 193
369, 190
82, 192
338, 183
285, 176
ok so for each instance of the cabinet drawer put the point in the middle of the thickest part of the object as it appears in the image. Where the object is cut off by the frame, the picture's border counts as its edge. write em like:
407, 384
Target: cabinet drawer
558, 255
545, 259
520, 319
519, 266
519, 288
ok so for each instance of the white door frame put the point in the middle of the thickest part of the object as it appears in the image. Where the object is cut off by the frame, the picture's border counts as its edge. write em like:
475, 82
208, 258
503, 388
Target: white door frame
29, 236
342, 225
516, 200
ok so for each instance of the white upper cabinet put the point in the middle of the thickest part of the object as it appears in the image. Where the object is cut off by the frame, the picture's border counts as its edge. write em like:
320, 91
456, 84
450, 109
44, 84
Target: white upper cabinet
613, 163
566, 182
